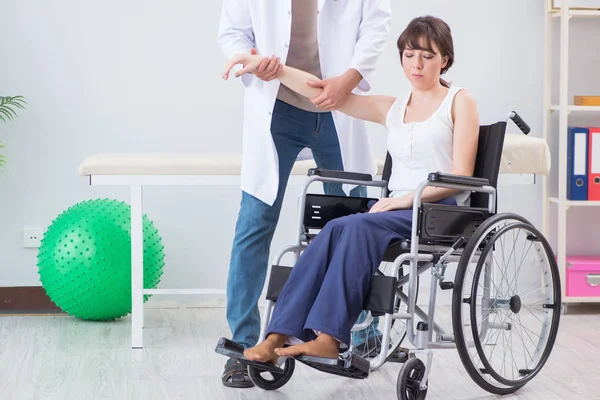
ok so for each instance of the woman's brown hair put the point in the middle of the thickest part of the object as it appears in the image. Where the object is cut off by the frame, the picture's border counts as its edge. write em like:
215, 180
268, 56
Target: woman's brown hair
423, 31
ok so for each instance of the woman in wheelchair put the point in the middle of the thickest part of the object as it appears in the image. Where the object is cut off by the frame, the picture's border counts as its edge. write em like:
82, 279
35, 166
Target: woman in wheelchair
434, 127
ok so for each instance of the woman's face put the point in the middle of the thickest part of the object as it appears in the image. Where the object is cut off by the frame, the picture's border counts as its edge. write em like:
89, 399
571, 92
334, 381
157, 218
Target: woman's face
423, 67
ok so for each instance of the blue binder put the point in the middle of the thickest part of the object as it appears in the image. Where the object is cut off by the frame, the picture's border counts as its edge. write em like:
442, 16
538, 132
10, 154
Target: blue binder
577, 163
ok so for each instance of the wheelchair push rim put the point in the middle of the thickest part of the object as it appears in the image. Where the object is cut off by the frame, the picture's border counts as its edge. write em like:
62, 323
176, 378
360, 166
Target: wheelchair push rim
512, 324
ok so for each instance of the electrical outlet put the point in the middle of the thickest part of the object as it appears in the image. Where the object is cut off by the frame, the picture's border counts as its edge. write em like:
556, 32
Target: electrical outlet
32, 237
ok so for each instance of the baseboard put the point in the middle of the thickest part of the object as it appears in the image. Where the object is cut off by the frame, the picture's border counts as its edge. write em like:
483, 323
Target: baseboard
26, 300
186, 301
444, 298
34, 300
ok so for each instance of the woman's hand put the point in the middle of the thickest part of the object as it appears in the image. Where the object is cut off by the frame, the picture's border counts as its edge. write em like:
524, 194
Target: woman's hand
393, 203
251, 64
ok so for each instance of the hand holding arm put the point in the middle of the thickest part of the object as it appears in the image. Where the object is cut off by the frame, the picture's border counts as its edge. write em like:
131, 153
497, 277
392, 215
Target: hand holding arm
369, 108
269, 68
335, 90
372, 36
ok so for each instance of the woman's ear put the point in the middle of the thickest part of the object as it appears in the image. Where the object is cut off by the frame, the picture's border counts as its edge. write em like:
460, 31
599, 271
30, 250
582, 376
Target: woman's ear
444, 61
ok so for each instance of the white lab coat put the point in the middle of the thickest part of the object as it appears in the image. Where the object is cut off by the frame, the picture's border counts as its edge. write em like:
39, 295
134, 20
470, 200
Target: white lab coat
351, 34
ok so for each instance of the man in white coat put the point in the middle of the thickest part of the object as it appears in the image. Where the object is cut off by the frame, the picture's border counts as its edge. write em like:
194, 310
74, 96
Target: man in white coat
339, 41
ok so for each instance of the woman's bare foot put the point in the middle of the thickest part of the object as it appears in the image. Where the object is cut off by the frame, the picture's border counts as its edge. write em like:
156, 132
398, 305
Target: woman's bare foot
323, 346
265, 351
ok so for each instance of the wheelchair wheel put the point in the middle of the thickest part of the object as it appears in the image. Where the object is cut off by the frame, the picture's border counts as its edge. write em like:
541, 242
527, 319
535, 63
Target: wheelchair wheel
270, 381
506, 303
408, 386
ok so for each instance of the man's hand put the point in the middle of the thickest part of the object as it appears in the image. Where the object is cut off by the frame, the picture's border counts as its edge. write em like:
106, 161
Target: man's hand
393, 203
335, 90
269, 68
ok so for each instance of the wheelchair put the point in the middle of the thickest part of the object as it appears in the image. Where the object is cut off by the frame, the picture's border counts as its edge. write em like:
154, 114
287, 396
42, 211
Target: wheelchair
505, 315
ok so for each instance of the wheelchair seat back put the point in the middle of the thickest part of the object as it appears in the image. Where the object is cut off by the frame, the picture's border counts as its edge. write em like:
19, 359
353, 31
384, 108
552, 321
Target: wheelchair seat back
487, 162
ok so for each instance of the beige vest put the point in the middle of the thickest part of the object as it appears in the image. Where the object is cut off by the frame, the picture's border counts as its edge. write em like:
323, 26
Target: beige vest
303, 53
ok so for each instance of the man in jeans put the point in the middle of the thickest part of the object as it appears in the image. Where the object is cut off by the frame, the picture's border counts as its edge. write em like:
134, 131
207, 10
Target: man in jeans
338, 41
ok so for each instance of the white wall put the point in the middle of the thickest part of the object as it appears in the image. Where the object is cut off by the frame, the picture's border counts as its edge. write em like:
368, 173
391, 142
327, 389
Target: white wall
144, 76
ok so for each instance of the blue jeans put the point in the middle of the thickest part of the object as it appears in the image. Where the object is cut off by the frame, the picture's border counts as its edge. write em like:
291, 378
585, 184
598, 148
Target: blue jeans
292, 129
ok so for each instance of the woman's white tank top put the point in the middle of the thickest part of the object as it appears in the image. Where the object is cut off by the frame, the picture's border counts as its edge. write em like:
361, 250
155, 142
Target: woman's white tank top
419, 148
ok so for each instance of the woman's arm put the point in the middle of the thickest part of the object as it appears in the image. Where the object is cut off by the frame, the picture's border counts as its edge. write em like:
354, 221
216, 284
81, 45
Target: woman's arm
464, 147
368, 108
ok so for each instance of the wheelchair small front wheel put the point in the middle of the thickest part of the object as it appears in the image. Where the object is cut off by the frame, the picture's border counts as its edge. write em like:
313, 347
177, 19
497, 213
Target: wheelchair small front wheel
408, 386
271, 381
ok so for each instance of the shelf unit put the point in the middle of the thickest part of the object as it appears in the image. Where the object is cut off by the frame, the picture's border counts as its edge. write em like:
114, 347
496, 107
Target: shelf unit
564, 15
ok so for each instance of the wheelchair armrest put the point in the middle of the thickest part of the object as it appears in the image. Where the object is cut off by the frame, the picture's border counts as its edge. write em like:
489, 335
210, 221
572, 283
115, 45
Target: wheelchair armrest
443, 177
330, 173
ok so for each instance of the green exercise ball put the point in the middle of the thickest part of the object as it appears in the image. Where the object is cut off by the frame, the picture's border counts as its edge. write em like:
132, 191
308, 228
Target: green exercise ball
84, 260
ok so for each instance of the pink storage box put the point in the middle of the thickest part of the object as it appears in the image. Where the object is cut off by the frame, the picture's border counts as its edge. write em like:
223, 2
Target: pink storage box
583, 276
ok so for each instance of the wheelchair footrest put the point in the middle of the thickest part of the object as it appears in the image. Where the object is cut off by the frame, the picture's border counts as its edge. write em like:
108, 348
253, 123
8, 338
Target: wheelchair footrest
349, 365
235, 350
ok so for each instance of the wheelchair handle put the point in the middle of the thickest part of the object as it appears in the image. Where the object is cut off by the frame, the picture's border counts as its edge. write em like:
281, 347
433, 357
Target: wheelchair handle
519, 122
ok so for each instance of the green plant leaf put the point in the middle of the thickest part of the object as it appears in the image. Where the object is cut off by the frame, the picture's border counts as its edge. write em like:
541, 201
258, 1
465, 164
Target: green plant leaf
19, 101
7, 113
2, 158
7, 105
5, 116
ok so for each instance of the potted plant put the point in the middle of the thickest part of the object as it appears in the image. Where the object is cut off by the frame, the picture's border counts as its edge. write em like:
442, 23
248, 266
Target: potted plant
7, 113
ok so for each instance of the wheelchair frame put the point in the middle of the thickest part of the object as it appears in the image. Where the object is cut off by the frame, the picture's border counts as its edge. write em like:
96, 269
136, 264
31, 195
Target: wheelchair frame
421, 258
418, 340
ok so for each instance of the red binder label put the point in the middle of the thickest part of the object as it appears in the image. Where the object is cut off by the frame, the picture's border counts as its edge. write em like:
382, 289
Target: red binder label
594, 164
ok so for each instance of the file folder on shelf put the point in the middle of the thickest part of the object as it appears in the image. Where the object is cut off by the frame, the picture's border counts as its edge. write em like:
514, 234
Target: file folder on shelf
594, 163
577, 163
586, 101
